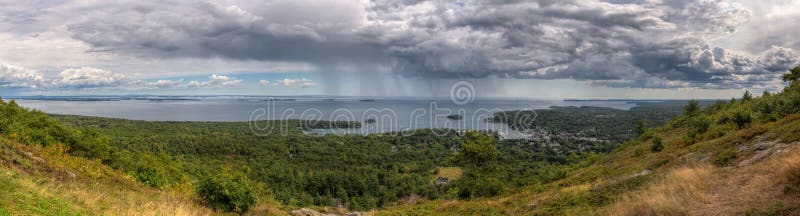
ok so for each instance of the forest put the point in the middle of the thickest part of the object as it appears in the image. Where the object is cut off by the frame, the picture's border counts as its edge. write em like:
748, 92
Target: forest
602, 123
229, 168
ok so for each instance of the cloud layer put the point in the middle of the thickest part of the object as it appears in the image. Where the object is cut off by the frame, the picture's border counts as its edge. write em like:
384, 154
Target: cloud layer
93, 78
14, 76
616, 43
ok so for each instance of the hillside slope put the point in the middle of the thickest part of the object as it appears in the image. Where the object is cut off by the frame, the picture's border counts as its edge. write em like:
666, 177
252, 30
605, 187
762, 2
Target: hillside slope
47, 181
732, 158
47, 168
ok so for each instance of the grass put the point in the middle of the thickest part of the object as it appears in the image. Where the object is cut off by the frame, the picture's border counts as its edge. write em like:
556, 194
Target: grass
18, 196
671, 196
46, 181
451, 173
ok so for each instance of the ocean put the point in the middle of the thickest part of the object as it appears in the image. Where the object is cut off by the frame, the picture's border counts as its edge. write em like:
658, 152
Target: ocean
378, 115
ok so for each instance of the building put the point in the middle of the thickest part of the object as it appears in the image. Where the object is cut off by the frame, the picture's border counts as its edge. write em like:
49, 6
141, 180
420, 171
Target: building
442, 180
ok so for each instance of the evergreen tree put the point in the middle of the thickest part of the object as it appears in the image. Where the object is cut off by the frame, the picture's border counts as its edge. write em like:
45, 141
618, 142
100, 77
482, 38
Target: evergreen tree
747, 96
691, 108
640, 127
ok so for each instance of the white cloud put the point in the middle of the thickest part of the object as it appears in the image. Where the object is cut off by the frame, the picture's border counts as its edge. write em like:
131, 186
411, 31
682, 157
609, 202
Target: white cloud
215, 81
304, 83
263, 82
286, 82
87, 77
165, 84
15, 76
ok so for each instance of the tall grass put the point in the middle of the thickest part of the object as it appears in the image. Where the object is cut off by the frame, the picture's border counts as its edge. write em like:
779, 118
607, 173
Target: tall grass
680, 189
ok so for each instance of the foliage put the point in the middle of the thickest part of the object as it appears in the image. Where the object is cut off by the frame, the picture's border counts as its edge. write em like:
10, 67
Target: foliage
747, 96
608, 126
478, 149
480, 187
675, 182
228, 191
658, 145
725, 157
691, 108
363, 172
37, 129
742, 118
17, 199
640, 127
698, 127
792, 76
354, 171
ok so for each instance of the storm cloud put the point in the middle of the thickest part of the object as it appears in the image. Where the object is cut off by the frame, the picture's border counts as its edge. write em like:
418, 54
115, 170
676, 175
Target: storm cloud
650, 44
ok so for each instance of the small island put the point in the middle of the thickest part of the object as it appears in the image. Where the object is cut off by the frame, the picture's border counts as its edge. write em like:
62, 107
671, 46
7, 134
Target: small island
455, 117
370, 121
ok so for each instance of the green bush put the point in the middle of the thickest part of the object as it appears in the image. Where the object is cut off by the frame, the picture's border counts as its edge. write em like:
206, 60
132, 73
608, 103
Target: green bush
658, 145
229, 192
747, 96
640, 128
698, 126
481, 187
742, 118
36, 128
691, 108
726, 157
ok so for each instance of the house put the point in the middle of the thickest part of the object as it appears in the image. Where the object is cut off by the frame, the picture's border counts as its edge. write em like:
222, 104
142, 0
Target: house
442, 180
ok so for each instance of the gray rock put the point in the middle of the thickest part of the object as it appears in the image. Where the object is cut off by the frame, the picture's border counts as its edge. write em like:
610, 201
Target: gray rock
642, 173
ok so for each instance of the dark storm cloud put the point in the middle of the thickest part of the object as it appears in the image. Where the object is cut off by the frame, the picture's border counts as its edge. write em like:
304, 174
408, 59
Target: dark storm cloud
650, 44
205, 29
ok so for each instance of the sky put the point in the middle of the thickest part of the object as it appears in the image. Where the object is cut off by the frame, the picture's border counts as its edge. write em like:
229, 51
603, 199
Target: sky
582, 49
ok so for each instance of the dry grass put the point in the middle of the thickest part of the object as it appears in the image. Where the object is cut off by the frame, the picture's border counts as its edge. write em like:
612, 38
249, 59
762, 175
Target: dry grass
679, 190
452, 173
789, 175
767, 188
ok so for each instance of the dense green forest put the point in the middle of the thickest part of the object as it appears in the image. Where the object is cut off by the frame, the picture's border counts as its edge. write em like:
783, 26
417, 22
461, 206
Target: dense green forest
228, 167
355, 171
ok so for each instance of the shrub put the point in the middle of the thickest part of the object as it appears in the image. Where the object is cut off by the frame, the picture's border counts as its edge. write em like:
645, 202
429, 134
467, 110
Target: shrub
698, 127
717, 106
658, 145
640, 127
229, 192
742, 118
691, 108
36, 128
638, 152
747, 96
91, 145
481, 187
725, 157
766, 108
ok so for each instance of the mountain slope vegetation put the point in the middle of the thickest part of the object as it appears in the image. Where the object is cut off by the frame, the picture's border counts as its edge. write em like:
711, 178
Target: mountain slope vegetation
46, 180
738, 157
